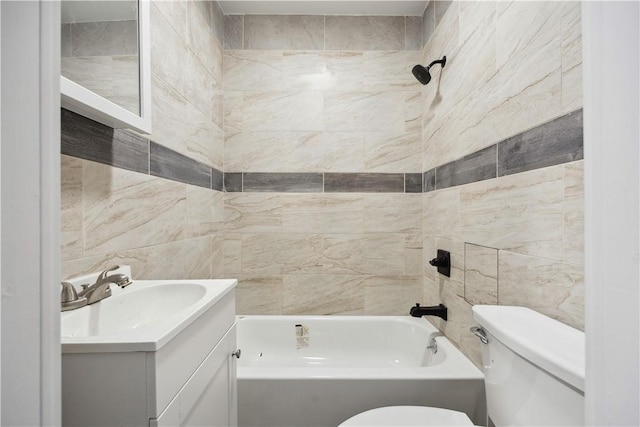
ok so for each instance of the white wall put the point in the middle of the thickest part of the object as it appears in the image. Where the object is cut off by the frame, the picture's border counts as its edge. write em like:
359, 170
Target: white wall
612, 174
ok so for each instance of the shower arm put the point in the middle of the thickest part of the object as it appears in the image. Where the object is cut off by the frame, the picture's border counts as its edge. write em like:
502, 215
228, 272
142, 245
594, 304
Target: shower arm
442, 62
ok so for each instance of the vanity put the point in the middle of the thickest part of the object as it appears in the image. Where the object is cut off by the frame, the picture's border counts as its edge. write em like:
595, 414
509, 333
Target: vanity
156, 353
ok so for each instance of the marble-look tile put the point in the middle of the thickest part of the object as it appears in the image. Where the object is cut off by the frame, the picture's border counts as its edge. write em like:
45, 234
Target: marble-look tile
473, 167
204, 211
253, 212
552, 143
233, 102
391, 295
323, 213
282, 182
233, 31
283, 111
253, 70
372, 253
388, 71
305, 70
573, 244
71, 207
428, 22
83, 138
393, 213
65, 40
216, 253
281, 253
480, 274
413, 33
364, 183
232, 255
201, 38
124, 210
274, 151
413, 182
552, 288
529, 26
364, 33
572, 57
441, 7
322, 294
366, 111
344, 151
175, 12
441, 213
106, 38
392, 152
521, 213
217, 108
257, 295
217, 23
183, 259
166, 163
284, 32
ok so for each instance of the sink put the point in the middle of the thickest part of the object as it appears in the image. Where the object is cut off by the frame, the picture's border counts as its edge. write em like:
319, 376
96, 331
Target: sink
141, 317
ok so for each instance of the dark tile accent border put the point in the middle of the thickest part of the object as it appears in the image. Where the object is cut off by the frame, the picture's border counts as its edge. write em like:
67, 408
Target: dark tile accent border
166, 163
556, 142
89, 140
364, 183
553, 143
282, 182
83, 138
413, 183
233, 182
474, 167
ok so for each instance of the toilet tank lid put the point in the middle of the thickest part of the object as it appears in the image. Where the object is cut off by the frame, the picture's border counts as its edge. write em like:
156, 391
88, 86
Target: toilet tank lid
552, 345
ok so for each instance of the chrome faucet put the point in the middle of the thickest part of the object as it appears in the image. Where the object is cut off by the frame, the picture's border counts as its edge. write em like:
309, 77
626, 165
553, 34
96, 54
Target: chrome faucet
101, 289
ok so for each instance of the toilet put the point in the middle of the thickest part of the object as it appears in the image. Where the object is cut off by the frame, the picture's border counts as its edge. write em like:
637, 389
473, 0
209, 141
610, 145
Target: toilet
534, 369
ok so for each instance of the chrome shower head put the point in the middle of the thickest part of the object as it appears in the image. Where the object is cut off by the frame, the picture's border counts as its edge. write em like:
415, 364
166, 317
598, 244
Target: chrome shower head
422, 73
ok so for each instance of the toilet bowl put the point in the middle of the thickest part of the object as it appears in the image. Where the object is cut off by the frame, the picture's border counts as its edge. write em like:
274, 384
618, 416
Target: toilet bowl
531, 362
402, 416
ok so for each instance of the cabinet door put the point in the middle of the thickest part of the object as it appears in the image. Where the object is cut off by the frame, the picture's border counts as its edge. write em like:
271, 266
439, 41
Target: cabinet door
209, 398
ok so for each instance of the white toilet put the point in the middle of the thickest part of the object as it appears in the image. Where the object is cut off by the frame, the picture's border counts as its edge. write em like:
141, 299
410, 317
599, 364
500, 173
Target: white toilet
534, 370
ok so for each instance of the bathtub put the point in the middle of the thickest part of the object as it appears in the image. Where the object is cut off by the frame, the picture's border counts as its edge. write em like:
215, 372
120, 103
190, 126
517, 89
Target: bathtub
321, 370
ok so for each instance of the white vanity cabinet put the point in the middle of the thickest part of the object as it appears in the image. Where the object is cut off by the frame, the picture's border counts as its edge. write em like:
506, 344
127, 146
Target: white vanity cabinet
188, 381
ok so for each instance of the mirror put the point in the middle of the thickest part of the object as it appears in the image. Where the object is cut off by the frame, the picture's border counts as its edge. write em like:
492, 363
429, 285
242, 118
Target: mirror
104, 63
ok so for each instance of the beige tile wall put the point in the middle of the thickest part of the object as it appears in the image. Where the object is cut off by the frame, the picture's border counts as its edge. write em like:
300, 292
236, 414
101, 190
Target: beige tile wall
517, 239
308, 97
164, 229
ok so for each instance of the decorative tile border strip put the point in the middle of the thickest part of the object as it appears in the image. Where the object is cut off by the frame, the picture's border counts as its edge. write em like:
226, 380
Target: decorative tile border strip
89, 140
555, 142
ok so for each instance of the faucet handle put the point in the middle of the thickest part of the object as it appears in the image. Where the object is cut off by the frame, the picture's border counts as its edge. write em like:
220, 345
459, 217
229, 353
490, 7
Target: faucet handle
69, 293
103, 275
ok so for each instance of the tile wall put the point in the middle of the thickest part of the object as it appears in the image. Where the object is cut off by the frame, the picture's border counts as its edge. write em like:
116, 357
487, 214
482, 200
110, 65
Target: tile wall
502, 155
323, 164
148, 201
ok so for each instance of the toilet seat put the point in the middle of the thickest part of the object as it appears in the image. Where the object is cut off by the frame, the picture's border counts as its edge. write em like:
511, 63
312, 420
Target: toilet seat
408, 416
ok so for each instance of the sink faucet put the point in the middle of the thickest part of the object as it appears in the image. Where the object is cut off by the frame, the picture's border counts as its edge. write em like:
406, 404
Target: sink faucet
101, 289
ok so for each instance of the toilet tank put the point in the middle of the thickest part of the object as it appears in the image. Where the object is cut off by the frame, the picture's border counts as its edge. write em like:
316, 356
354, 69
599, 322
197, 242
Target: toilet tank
534, 368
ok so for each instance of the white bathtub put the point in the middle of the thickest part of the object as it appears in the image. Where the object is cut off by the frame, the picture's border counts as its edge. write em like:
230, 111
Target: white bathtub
333, 367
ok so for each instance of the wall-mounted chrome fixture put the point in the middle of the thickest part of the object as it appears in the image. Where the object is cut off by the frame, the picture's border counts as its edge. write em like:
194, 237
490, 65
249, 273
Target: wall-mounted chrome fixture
422, 73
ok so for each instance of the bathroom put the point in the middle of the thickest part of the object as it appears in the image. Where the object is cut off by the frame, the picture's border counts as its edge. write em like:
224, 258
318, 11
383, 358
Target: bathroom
295, 151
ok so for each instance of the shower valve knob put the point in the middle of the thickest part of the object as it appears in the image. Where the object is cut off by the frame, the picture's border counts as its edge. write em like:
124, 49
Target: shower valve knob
236, 353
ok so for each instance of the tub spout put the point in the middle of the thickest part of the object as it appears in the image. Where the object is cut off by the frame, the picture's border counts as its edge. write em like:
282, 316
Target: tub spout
436, 310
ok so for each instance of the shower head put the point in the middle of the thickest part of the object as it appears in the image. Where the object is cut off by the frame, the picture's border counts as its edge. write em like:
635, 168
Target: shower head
422, 73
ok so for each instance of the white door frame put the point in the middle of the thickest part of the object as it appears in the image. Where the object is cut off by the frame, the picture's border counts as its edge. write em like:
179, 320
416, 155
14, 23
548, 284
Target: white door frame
612, 198
30, 200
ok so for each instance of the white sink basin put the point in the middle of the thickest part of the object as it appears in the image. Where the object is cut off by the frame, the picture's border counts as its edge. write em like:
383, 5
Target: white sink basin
141, 317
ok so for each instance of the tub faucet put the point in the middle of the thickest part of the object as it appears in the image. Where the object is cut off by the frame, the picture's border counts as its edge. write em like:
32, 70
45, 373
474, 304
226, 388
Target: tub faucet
101, 289
436, 310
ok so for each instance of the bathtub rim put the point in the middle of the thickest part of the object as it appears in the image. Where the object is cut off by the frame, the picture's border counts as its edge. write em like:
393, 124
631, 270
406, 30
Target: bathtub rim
455, 366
